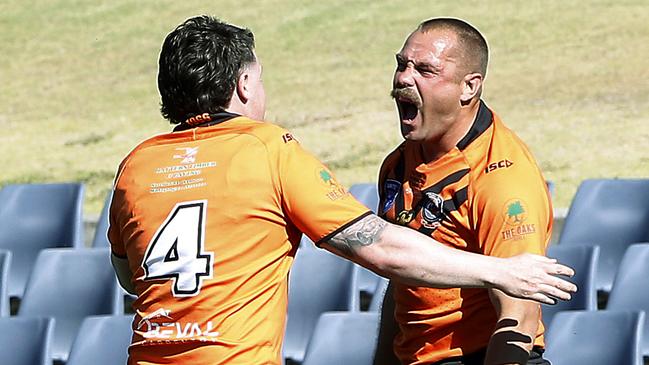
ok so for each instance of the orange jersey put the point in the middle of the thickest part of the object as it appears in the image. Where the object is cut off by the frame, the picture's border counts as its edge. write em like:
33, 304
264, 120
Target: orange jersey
485, 196
209, 219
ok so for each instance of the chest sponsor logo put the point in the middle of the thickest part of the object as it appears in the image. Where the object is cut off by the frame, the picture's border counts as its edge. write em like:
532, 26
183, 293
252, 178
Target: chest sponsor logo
498, 165
391, 188
432, 211
336, 191
515, 213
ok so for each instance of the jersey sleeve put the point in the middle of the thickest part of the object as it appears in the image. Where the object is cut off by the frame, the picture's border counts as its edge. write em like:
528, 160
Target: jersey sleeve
512, 211
313, 199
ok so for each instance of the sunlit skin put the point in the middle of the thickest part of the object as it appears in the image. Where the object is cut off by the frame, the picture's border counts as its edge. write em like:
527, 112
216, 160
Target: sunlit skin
249, 97
437, 100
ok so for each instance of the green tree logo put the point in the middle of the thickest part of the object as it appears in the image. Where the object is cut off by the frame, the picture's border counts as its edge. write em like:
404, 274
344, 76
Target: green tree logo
515, 210
325, 176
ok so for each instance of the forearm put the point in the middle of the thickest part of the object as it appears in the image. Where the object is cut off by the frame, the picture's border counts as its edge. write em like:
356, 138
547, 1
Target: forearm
409, 257
515, 331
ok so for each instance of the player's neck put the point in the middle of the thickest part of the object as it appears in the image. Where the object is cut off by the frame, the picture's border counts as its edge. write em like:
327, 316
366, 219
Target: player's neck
433, 150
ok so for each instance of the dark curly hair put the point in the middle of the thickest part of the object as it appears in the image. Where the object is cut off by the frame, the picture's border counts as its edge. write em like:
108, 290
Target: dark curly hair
200, 63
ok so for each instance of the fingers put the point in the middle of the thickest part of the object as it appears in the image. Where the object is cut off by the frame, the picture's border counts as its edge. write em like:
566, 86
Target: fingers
559, 269
542, 298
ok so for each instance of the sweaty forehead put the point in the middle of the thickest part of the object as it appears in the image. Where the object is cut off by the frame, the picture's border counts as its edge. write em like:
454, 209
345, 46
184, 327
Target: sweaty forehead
430, 45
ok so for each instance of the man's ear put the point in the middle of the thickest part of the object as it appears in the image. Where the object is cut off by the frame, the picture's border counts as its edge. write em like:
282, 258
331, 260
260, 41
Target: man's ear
471, 86
243, 90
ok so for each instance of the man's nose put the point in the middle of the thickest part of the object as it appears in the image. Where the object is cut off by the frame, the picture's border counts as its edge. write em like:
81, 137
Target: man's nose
404, 77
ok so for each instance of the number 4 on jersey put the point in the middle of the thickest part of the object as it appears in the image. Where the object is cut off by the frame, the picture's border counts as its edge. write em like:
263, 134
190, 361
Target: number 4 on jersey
176, 250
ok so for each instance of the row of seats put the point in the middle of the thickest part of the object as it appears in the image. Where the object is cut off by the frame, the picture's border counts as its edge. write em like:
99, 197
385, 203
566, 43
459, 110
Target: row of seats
575, 338
101, 340
66, 285
591, 210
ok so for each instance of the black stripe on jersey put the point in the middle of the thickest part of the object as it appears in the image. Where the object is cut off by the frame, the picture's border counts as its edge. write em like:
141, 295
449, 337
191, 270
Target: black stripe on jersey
449, 206
341, 228
450, 179
458, 199
482, 122
438, 186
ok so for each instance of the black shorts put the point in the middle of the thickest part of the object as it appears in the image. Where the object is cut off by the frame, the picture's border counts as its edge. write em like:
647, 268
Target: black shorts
477, 358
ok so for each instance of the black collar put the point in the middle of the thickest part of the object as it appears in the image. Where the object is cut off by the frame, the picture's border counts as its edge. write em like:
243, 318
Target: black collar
215, 118
482, 122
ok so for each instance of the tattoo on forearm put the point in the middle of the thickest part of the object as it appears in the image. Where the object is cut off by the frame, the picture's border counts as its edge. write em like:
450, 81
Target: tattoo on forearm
362, 233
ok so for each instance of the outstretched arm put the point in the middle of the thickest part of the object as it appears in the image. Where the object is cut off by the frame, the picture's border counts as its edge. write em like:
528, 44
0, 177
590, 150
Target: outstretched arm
408, 256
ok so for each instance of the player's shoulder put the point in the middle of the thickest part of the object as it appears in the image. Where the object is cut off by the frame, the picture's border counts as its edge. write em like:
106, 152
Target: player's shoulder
267, 133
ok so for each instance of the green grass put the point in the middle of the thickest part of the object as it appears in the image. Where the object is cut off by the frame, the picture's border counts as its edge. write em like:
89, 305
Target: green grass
79, 81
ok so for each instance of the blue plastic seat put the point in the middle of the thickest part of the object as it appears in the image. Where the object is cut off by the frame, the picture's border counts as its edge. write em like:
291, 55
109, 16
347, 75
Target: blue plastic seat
69, 285
5, 263
631, 286
583, 259
102, 340
319, 282
379, 294
38, 216
343, 338
595, 338
366, 193
100, 238
366, 283
609, 213
26, 341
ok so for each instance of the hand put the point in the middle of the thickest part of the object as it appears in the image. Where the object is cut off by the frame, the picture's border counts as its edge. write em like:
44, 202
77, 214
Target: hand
530, 276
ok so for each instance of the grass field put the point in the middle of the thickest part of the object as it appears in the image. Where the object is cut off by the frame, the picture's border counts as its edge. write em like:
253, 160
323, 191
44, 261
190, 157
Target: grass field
79, 81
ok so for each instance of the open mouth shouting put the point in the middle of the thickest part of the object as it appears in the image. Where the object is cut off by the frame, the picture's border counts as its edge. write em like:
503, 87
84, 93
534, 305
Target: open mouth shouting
408, 103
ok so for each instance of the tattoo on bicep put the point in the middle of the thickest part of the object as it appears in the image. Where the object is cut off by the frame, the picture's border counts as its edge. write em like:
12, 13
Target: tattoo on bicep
362, 233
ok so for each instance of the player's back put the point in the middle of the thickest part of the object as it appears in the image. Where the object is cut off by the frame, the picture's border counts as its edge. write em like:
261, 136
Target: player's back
199, 215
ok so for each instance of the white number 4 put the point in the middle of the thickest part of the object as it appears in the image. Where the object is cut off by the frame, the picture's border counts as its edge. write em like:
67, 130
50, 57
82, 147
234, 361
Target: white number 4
176, 250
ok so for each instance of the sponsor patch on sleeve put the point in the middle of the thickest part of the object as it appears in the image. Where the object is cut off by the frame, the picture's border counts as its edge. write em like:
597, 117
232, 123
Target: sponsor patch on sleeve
515, 213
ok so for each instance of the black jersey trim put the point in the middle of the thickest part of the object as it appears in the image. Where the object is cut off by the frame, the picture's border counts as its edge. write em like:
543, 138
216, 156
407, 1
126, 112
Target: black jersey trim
450, 179
457, 200
482, 122
216, 118
341, 228
118, 256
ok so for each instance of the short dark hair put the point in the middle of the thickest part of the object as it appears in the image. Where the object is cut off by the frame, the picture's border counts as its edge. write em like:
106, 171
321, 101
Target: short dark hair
472, 44
200, 63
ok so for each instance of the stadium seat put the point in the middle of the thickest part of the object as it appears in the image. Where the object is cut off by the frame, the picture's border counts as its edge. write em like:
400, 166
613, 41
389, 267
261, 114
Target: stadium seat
366, 193
319, 282
583, 259
367, 282
26, 341
379, 294
38, 216
609, 213
595, 338
630, 289
101, 229
5, 263
69, 285
102, 340
343, 338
